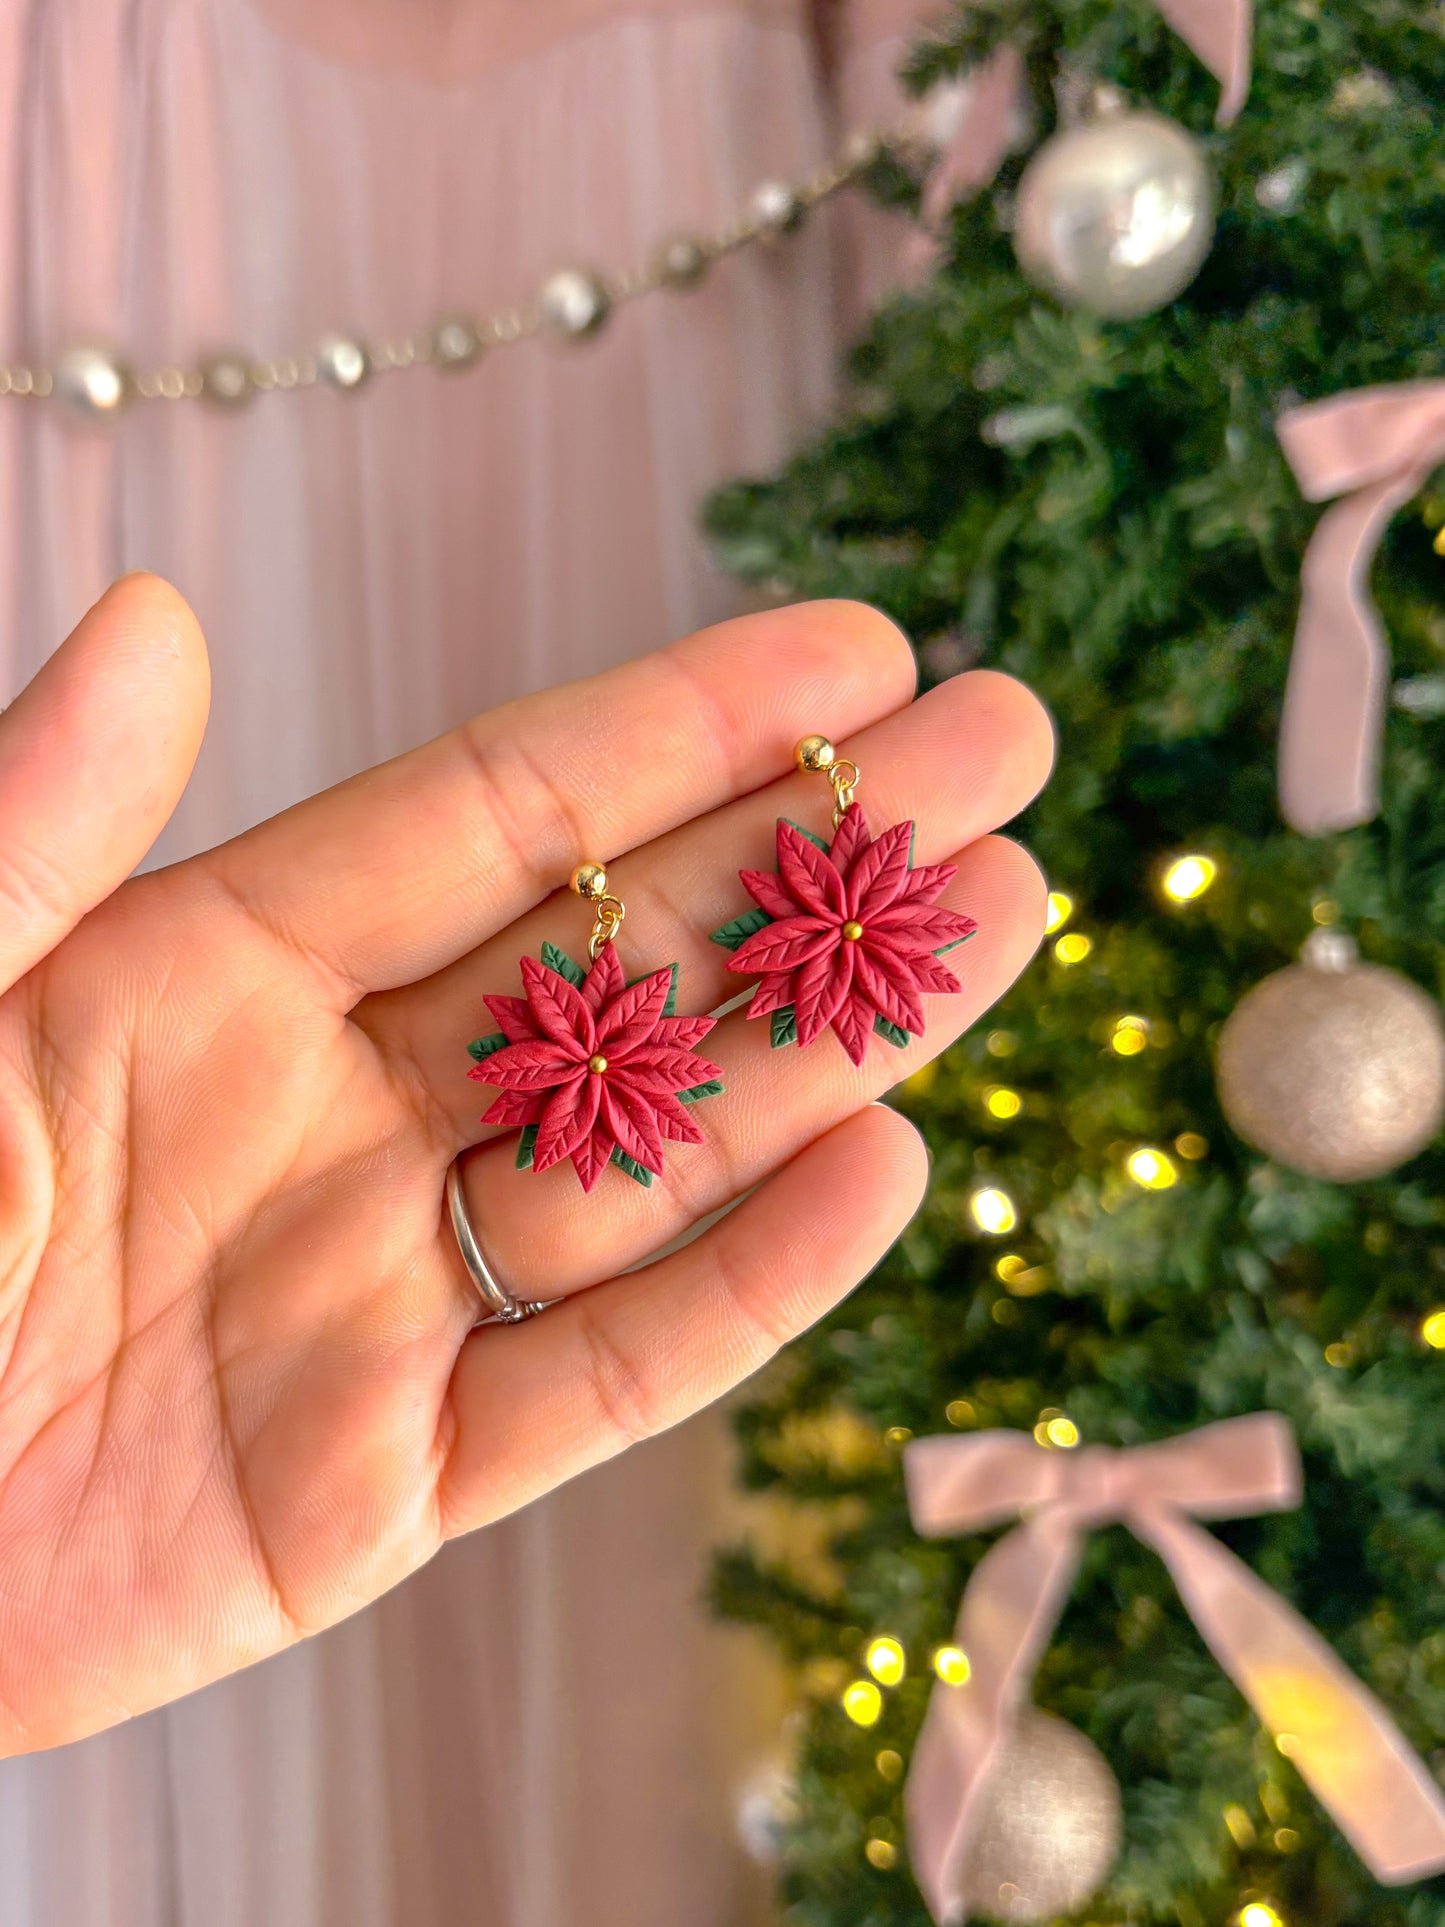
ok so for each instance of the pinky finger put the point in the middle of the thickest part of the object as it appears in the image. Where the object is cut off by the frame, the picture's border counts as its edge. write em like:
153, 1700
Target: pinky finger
534, 1404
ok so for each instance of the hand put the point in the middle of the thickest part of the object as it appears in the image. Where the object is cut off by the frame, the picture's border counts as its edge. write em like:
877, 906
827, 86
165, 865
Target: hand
239, 1390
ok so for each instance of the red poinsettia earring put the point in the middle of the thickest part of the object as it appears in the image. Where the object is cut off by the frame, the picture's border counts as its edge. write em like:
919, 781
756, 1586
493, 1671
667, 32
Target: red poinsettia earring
847, 934
593, 1068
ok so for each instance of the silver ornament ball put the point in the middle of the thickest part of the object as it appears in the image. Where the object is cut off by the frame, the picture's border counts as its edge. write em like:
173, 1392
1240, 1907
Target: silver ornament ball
1334, 1067
1049, 1828
574, 304
93, 382
1115, 216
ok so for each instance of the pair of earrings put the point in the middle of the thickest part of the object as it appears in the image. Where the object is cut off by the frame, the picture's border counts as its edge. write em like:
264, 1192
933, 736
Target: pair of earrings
846, 934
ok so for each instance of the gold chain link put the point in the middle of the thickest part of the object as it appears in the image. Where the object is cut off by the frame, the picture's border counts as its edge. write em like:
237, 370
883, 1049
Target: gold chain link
610, 912
845, 778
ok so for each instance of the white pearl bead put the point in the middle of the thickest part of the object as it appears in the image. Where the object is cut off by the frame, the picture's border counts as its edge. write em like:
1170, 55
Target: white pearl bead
775, 208
226, 380
342, 360
573, 303
455, 342
681, 262
92, 381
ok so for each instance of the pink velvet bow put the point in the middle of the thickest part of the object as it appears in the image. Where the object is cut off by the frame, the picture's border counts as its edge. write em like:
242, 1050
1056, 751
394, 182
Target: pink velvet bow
1218, 32
1337, 1734
1374, 448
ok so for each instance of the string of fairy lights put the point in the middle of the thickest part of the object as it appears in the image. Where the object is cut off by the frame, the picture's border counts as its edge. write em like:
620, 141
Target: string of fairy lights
994, 1213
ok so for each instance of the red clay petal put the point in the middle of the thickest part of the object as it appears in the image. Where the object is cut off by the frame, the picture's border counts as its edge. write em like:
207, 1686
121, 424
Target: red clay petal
592, 1156
537, 1065
604, 980
516, 1107
557, 1008
632, 1016
808, 875
820, 987
931, 973
660, 1069
766, 890
908, 927
890, 991
570, 1113
676, 1121
683, 1032
853, 1026
928, 882
786, 945
773, 993
851, 841
633, 1122
880, 874
514, 1018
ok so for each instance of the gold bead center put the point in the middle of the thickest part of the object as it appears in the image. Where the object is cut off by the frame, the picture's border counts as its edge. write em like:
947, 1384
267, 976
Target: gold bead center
597, 1064
852, 931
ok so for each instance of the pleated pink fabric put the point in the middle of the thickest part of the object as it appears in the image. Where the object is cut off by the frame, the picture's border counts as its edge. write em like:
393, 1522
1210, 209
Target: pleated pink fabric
542, 1729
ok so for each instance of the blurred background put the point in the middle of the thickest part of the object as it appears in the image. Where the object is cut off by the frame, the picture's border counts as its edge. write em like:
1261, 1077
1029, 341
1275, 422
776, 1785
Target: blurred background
444, 349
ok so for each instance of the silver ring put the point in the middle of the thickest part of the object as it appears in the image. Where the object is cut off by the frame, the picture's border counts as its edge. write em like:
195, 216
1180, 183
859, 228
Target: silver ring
504, 1308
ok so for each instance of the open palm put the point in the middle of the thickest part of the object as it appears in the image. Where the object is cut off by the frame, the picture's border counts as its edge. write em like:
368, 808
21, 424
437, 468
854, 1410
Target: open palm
240, 1393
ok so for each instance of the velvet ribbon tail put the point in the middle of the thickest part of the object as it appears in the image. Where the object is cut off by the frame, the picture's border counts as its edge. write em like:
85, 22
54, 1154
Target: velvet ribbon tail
1339, 1736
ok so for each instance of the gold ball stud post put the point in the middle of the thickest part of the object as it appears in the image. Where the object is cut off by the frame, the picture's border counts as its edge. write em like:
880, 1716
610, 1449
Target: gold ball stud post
815, 755
589, 880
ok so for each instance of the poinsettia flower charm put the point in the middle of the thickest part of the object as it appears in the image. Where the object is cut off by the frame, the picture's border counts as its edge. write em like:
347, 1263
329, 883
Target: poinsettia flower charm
593, 1068
847, 934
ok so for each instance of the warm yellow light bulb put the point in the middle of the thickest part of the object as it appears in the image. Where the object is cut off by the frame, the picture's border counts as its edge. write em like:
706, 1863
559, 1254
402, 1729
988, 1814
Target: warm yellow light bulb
1131, 1035
1061, 908
1150, 1169
1189, 877
1010, 1265
886, 1661
1062, 1432
993, 1211
882, 1854
1259, 1914
951, 1665
862, 1702
1002, 1102
1073, 947
1433, 1330
1189, 1144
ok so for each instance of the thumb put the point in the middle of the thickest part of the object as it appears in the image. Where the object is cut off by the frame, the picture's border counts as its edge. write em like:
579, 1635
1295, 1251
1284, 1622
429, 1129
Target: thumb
94, 755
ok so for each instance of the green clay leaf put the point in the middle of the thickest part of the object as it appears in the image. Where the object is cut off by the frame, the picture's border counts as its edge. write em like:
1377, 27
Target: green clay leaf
558, 960
526, 1145
712, 1088
892, 1032
785, 1026
630, 1166
486, 1046
734, 935
954, 945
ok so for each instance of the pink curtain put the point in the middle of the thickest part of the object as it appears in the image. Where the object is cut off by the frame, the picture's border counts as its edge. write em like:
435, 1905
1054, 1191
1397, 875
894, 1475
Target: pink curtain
542, 1728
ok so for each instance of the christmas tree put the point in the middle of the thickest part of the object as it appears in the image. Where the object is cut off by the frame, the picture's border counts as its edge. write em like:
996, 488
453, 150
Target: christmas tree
1101, 505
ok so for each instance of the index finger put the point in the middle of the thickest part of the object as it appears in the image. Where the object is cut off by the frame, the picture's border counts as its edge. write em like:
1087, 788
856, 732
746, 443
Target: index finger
391, 875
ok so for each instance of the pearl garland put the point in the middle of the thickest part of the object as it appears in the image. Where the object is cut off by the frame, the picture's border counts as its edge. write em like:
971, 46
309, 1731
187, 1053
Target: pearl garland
97, 384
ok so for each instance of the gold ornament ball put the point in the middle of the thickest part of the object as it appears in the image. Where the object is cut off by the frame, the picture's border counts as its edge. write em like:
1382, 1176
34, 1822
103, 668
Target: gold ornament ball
1049, 1828
1333, 1067
814, 755
589, 880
